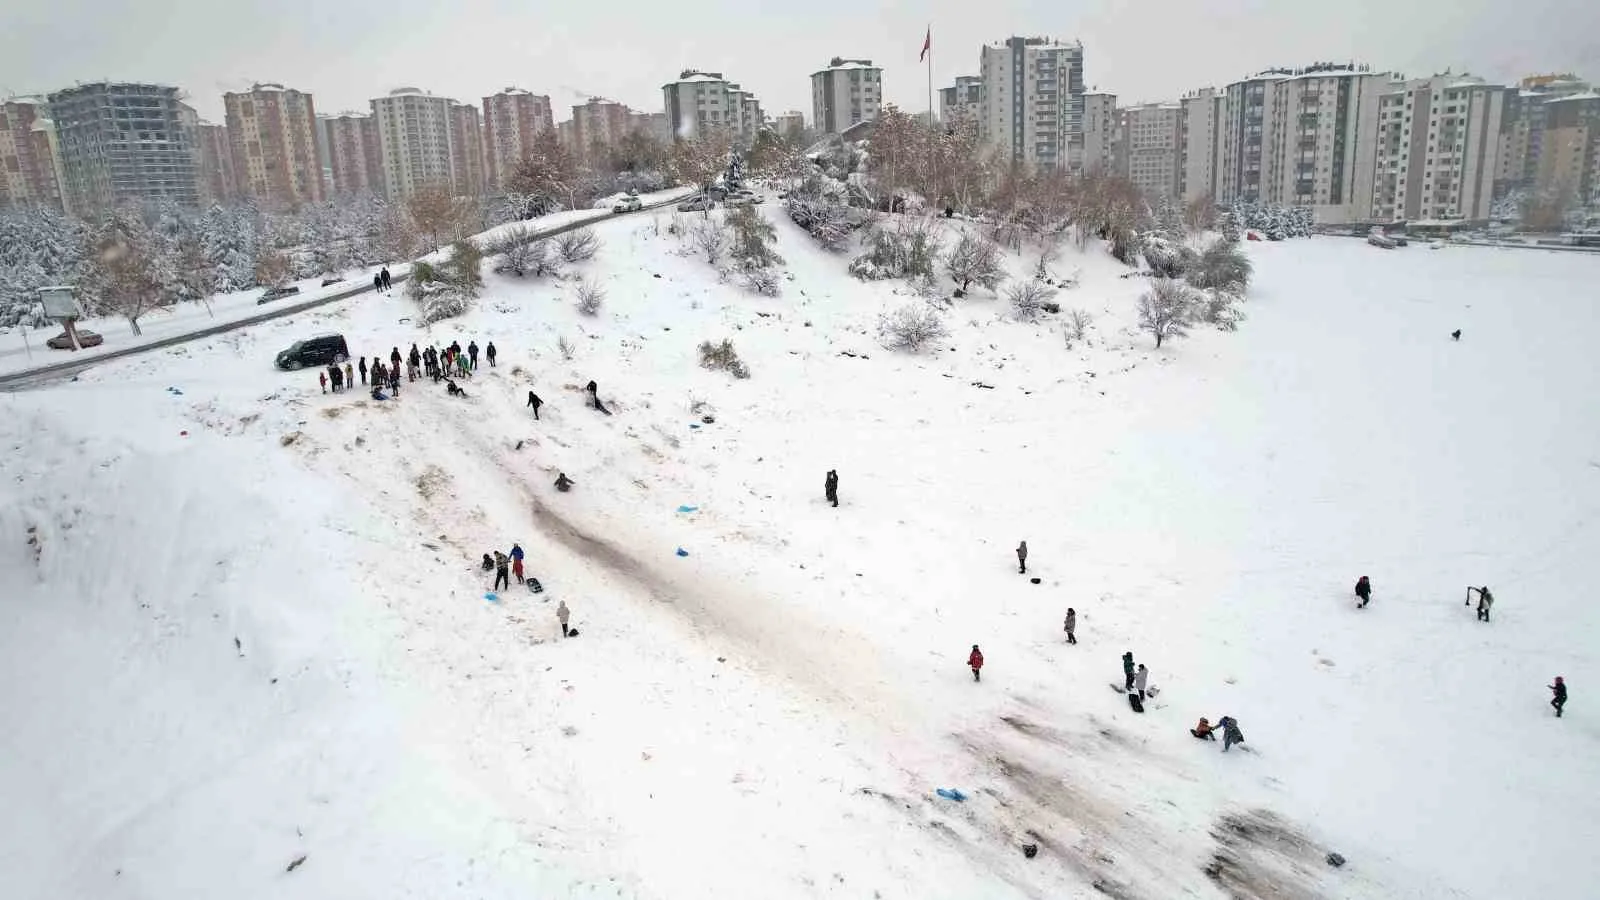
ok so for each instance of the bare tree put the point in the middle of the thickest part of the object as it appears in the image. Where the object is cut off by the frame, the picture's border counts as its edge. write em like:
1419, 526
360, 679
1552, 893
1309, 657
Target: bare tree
437, 213
514, 248
547, 174
1077, 326
397, 236
975, 258
699, 160
711, 238
1200, 214
273, 268
131, 284
590, 296
911, 327
1165, 310
578, 245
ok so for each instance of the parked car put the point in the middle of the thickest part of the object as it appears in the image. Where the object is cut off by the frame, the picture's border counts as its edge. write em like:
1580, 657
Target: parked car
629, 203
318, 351
697, 203
85, 339
328, 281
271, 294
737, 200
1378, 239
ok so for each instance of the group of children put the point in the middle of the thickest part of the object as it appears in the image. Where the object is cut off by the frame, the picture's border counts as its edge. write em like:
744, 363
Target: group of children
440, 365
507, 565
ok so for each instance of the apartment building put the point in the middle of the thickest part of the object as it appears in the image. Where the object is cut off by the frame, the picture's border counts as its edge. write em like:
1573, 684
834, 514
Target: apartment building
1102, 132
1202, 114
1032, 102
1523, 126
30, 161
962, 101
123, 141
702, 102
466, 150
599, 122
511, 120
1437, 143
1570, 145
1302, 137
791, 124
355, 154
214, 149
655, 125
414, 141
1152, 147
846, 93
273, 131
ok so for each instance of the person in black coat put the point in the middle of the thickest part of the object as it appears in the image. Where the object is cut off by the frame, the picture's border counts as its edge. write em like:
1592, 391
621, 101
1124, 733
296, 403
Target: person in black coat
1364, 591
830, 487
384, 275
1127, 669
489, 351
472, 354
363, 370
377, 282
1559, 698
534, 402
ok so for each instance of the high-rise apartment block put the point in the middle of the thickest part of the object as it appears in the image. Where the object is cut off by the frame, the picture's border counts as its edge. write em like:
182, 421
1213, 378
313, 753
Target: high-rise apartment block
30, 162
355, 155
846, 93
699, 103
274, 135
1202, 116
962, 101
123, 141
1032, 105
1523, 127
1102, 132
466, 150
1152, 146
218, 183
511, 120
791, 124
1569, 158
1437, 140
420, 137
599, 123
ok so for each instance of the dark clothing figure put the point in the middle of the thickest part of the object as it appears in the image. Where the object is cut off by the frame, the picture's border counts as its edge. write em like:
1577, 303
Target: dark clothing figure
394, 381
1022, 558
502, 570
453, 390
563, 483
594, 397
394, 359
377, 282
1230, 732
1127, 669
1485, 601
1070, 626
534, 402
1364, 591
387, 282
488, 563
1135, 702
975, 661
1559, 698
336, 375
489, 352
363, 370
830, 487
1455, 335
1203, 730
472, 353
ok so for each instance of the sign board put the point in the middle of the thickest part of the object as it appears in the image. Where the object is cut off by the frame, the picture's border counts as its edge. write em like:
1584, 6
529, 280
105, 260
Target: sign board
60, 302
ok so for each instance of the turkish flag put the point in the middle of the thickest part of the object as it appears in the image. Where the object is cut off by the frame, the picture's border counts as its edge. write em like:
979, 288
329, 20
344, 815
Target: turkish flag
927, 44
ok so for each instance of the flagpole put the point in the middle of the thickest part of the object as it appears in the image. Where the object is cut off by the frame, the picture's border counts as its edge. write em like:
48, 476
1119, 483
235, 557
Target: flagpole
930, 75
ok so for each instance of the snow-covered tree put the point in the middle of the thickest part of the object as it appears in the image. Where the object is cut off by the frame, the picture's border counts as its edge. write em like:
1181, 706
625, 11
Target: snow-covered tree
547, 176
1221, 266
228, 240
911, 327
699, 160
1165, 310
975, 258
131, 281
1028, 298
464, 268
753, 237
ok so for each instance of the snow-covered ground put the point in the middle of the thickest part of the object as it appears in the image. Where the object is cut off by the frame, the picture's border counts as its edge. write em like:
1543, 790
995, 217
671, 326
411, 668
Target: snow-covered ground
771, 714
24, 348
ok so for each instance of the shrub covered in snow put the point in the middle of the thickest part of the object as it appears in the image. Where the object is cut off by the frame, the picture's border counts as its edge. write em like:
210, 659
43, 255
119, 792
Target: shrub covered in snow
721, 356
821, 207
1221, 266
590, 296
1166, 309
1218, 308
975, 258
711, 238
765, 282
908, 249
577, 245
753, 237
1028, 298
1166, 257
1076, 327
911, 327
464, 268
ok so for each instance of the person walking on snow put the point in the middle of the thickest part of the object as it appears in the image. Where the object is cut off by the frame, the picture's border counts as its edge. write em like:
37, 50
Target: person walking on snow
322, 378
1127, 670
377, 282
975, 662
1141, 679
363, 368
394, 359
472, 353
394, 381
489, 352
502, 576
534, 402
1022, 558
413, 363
563, 615
387, 282
1485, 601
1559, 698
516, 561
830, 487
1364, 591
1230, 732
349, 376
1070, 626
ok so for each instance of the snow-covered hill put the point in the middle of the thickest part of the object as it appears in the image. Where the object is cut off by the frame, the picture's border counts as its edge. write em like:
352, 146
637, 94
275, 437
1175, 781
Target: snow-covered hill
771, 714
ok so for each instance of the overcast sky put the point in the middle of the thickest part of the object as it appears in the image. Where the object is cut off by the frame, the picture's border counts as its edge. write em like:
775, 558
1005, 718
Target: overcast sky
347, 51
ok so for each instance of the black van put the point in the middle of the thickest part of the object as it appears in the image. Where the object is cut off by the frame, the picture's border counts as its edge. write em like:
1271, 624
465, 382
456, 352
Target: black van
317, 351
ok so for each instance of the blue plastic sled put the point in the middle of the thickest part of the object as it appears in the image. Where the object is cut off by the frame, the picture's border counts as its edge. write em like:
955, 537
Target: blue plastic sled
492, 597
682, 552
687, 509
951, 794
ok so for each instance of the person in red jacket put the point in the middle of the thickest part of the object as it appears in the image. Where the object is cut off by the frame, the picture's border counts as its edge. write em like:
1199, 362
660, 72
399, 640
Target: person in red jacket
975, 660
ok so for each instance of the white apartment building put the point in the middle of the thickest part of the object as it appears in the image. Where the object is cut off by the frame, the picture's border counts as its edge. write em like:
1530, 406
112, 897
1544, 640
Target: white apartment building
962, 101
1302, 138
1032, 103
700, 102
511, 120
1438, 139
414, 140
1152, 146
790, 124
1202, 116
847, 92
1101, 132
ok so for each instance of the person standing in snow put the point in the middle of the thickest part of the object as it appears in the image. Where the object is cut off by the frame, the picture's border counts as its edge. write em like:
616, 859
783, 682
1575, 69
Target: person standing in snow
563, 483
413, 363
975, 662
563, 615
830, 487
472, 354
349, 375
1363, 591
534, 403
394, 359
336, 374
363, 369
1230, 732
387, 281
502, 573
1070, 626
322, 378
1127, 669
1559, 698
1485, 601
1022, 558
489, 352
1141, 679
377, 282
462, 369
516, 561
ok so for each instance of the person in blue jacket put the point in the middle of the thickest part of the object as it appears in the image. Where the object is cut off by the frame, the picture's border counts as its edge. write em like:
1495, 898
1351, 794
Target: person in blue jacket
516, 561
